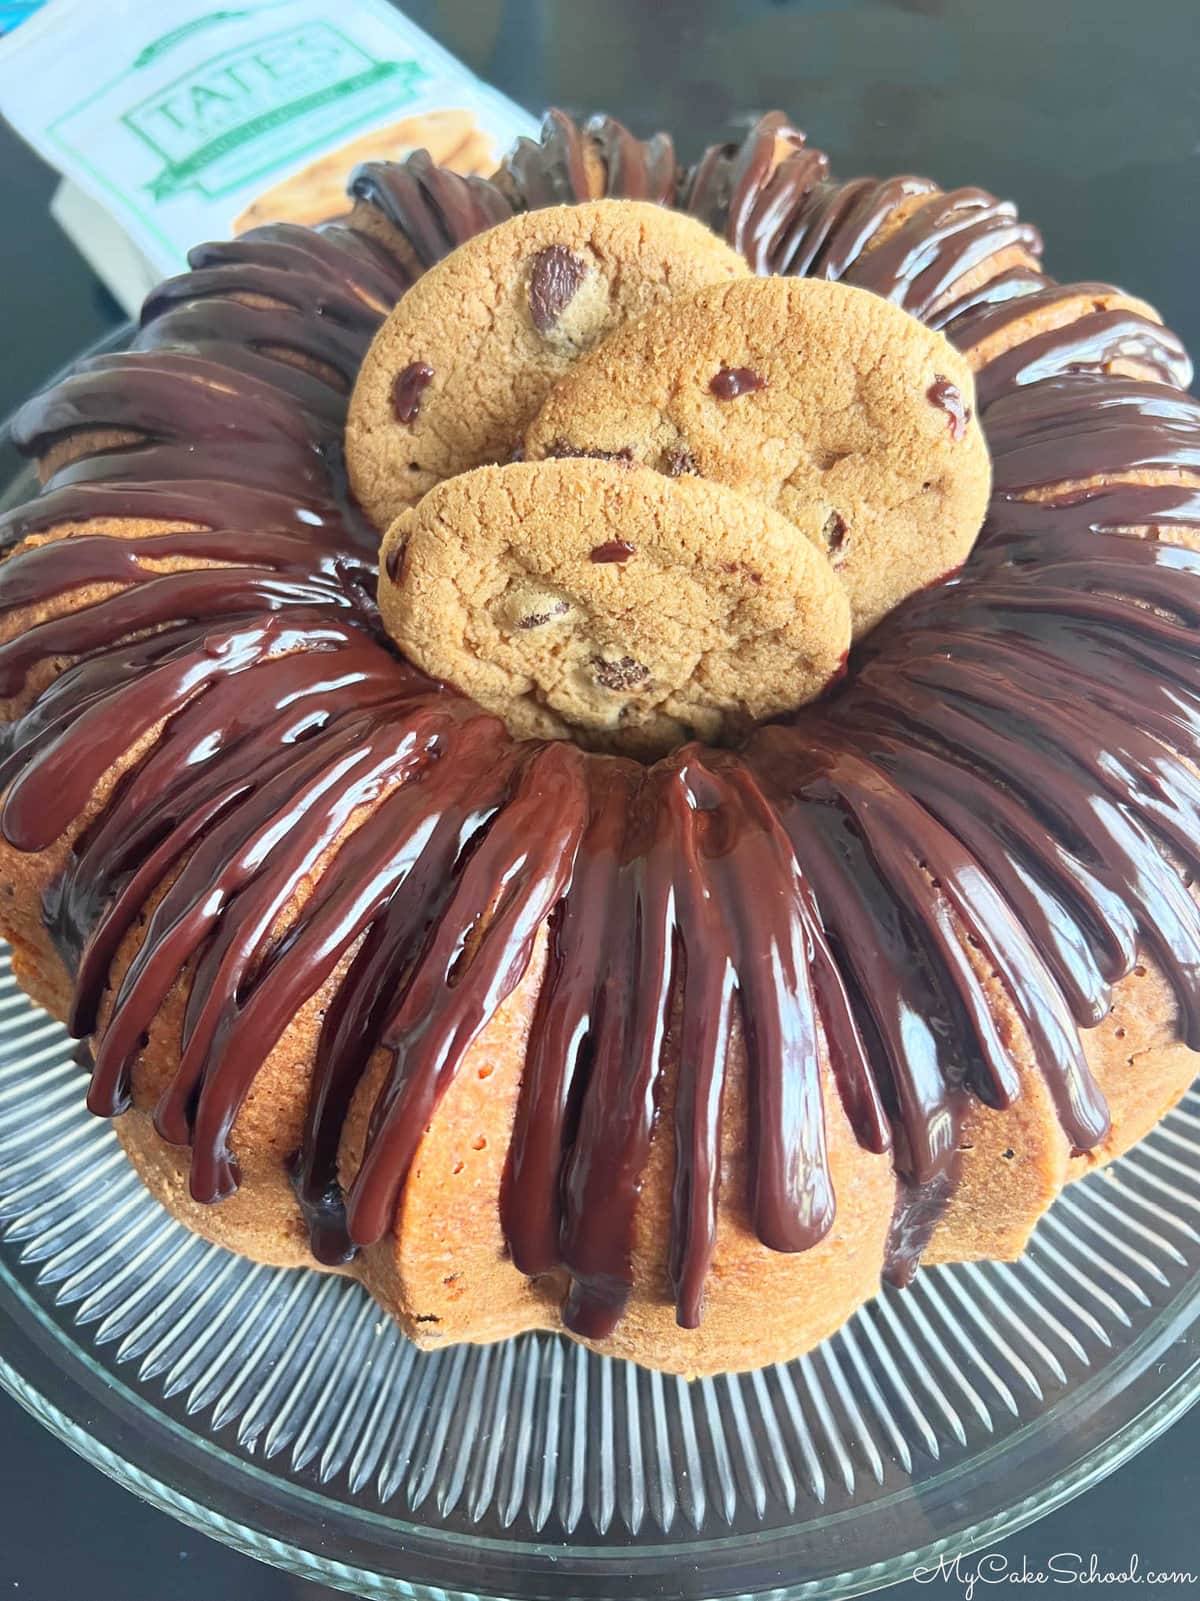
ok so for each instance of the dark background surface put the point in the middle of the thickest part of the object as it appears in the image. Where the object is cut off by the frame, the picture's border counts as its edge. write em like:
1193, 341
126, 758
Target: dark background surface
1087, 112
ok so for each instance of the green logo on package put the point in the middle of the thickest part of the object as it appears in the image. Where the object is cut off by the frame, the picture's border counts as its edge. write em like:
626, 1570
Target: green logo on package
251, 110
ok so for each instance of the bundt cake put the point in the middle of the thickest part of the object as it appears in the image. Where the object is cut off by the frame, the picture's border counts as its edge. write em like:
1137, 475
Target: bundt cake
681, 1056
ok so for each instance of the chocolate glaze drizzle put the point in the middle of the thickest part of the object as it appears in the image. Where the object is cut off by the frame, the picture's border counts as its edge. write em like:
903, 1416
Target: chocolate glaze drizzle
753, 192
599, 160
1000, 792
430, 208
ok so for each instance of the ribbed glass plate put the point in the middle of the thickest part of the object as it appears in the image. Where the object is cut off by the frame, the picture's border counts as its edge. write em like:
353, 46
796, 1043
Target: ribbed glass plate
280, 1412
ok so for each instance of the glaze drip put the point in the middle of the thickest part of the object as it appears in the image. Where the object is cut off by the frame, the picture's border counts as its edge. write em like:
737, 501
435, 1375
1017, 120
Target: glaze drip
1096, 339
997, 800
430, 208
752, 192
922, 263
773, 199
597, 160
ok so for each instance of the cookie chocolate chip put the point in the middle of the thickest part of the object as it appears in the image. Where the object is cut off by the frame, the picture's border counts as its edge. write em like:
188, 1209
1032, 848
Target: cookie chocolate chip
612, 550
623, 673
408, 388
731, 382
527, 604
564, 449
677, 462
948, 396
394, 566
835, 533
554, 280
539, 619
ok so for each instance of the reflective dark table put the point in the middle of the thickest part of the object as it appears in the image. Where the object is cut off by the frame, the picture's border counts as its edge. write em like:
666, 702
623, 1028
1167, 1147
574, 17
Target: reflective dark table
1087, 112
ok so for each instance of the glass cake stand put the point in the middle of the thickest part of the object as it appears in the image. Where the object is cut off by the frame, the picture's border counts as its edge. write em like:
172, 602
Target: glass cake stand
280, 1412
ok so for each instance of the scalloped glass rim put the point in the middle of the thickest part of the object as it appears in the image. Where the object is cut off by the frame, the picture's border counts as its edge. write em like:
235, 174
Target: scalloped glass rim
1105, 1303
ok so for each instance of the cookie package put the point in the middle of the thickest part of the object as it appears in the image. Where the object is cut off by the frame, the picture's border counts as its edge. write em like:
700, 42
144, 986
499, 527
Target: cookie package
193, 121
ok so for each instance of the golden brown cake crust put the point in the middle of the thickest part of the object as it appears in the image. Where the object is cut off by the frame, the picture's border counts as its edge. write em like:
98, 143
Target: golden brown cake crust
445, 1274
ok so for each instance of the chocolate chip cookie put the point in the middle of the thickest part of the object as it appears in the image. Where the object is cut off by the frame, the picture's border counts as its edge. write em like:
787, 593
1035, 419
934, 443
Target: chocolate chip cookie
601, 602
826, 402
459, 369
